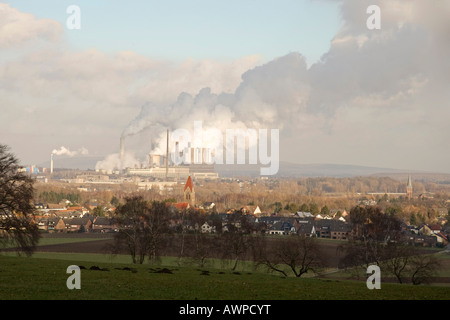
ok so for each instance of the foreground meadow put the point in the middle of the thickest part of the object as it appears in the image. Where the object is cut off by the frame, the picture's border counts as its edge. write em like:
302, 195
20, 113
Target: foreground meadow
44, 276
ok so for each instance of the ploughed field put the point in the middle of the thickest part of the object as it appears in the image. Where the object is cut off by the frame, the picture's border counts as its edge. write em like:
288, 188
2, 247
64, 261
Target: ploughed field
103, 244
91, 243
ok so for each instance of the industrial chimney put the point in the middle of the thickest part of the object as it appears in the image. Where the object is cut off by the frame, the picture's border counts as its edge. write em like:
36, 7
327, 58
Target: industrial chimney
51, 163
122, 151
167, 155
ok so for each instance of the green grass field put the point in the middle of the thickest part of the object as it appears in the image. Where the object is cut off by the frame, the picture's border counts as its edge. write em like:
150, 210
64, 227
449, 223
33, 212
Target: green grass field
43, 277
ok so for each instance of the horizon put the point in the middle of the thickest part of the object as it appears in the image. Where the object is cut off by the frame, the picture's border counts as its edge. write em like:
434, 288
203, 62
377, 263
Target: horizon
287, 169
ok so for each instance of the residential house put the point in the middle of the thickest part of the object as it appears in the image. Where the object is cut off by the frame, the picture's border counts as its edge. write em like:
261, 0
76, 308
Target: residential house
255, 210
302, 214
435, 228
56, 207
282, 228
339, 230
68, 214
78, 224
51, 224
180, 206
338, 214
412, 229
56, 224
103, 225
207, 228
423, 240
306, 228
332, 229
208, 205
320, 217
39, 206
425, 230
441, 240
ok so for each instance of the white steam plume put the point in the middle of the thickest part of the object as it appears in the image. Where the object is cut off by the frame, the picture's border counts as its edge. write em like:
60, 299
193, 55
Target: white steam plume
67, 152
261, 101
372, 93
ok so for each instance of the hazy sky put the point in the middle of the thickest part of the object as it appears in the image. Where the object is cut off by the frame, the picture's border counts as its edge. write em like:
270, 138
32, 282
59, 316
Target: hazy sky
198, 29
338, 92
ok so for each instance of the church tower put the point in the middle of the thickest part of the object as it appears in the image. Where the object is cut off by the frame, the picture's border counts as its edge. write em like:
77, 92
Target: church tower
409, 188
189, 192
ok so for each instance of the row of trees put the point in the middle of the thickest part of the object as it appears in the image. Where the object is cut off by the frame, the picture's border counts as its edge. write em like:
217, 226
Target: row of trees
312, 207
151, 229
56, 197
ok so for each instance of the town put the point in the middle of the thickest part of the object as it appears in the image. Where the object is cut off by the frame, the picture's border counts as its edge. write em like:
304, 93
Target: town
86, 203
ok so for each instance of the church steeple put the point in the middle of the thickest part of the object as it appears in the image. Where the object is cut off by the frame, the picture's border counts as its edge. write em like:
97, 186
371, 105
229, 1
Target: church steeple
409, 188
189, 192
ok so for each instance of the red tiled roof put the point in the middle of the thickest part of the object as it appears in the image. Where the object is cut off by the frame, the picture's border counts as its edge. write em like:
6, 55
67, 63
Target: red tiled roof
181, 205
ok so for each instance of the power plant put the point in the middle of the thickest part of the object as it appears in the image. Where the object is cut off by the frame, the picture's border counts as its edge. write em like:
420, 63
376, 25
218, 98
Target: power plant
190, 161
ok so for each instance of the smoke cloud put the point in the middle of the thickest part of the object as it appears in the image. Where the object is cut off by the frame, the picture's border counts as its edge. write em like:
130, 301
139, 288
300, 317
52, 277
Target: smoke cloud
373, 92
67, 152
267, 97
114, 162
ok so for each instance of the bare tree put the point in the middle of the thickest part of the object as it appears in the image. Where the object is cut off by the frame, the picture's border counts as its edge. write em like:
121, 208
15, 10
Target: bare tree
200, 245
235, 243
398, 260
406, 262
423, 268
299, 254
372, 232
182, 230
233, 246
377, 238
16, 205
142, 226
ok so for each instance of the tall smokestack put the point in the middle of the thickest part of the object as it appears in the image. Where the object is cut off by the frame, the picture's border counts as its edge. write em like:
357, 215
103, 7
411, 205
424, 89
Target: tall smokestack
51, 163
167, 155
122, 151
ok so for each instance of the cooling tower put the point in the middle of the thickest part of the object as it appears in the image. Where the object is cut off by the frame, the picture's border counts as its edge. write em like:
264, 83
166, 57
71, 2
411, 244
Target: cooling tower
155, 160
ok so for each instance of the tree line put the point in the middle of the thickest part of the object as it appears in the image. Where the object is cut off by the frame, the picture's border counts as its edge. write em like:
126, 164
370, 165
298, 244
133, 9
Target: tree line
57, 197
151, 229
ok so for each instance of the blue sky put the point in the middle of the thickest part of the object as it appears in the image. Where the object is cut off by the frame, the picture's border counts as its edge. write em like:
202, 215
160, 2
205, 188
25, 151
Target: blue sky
198, 29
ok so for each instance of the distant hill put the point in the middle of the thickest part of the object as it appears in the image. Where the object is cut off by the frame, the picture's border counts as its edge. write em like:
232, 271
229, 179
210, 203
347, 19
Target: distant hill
287, 169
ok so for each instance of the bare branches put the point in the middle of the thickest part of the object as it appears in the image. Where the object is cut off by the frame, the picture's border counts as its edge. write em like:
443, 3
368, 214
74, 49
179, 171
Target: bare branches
142, 226
16, 205
377, 239
298, 254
